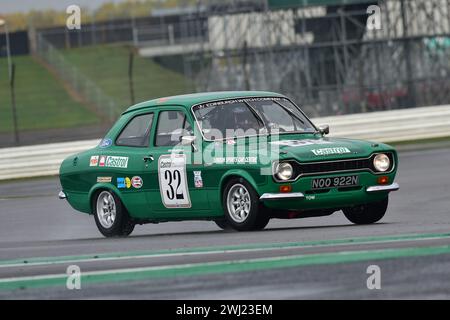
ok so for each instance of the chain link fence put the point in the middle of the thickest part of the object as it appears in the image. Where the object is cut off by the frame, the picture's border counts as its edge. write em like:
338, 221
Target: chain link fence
82, 86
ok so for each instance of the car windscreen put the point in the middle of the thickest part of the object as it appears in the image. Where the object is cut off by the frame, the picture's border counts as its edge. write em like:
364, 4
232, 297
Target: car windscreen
282, 115
227, 120
248, 117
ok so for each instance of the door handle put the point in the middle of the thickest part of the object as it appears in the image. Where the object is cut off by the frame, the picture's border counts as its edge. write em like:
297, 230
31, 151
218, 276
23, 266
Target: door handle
148, 158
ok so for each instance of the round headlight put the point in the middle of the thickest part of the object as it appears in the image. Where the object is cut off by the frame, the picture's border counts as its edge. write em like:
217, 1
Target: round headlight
381, 162
284, 171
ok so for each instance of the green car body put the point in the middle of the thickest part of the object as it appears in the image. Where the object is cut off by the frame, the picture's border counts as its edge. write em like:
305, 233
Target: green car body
136, 173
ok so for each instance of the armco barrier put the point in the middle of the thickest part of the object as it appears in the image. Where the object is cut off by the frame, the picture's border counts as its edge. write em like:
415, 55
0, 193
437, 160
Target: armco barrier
385, 126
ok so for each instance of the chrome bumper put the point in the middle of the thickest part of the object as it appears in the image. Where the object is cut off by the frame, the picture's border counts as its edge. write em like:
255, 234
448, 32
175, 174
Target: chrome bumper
280, 196
390, 187
299, 195
62, 195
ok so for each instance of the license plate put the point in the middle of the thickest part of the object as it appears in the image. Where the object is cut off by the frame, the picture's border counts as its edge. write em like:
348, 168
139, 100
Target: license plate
326, 183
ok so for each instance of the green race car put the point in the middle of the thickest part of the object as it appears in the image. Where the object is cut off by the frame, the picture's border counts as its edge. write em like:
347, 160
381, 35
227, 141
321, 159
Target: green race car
236, 158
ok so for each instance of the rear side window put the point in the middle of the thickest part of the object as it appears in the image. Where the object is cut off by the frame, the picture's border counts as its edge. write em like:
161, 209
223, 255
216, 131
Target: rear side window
172, 125
137, 131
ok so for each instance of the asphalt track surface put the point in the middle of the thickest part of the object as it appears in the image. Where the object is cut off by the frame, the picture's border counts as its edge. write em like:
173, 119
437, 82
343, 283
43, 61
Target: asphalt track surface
313, 258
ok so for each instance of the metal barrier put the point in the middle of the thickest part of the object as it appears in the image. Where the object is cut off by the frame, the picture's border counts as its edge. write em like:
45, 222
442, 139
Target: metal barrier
387, 126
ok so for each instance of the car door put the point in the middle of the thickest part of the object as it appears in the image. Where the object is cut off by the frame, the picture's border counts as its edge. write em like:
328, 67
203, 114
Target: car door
127, 162
178, 182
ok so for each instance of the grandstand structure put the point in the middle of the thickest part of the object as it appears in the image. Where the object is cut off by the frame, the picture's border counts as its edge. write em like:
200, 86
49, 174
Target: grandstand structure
321, 53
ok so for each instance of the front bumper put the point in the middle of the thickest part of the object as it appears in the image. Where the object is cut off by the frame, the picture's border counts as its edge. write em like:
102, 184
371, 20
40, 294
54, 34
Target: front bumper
334, 198
62, 195
278, 196
380, 188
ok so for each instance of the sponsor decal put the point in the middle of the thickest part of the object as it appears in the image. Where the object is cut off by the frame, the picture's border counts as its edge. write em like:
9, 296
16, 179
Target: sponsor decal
137, 182
94, 161
300, 143
116, 162
102, 161
328, 151
234, 160
105, 143
121, 183
198, 181
310, 197
104, 179
128, 183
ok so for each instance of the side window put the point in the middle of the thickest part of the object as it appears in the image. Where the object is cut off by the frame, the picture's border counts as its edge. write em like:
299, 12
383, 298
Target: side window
136, 132
172, 125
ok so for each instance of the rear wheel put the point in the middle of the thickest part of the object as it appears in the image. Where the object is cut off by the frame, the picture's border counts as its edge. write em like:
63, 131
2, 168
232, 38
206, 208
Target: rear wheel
367, 213
243, 210
111, 217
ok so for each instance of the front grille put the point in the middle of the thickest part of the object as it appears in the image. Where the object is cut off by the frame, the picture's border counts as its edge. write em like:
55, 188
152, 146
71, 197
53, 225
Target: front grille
333, 166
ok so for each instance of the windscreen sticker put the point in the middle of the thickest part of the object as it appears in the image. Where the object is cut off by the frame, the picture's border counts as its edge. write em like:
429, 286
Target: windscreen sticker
172, 181
329, 151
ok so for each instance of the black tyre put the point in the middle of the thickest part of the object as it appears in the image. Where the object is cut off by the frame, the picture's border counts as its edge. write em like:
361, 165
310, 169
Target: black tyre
243, 210
367, 213
223, 224
111, 217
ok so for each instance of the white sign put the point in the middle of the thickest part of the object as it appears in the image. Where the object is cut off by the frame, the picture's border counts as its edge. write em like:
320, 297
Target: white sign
172, 181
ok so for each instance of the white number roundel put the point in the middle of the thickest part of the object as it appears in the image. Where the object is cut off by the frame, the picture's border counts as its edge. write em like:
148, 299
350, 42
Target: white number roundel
172, 181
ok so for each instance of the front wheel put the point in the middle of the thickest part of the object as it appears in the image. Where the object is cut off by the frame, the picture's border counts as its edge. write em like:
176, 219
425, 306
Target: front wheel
243, 210
111, 217
223, 224
367, 213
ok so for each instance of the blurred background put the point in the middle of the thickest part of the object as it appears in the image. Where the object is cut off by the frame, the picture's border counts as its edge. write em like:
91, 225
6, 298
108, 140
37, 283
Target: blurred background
58, 84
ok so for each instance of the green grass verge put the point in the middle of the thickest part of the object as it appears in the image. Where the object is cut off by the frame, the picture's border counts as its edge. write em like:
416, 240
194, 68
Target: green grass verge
107, 66
42, 102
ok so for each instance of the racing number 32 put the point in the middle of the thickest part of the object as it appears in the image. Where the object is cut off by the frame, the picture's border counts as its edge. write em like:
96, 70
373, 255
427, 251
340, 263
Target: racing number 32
176, 178
172, 181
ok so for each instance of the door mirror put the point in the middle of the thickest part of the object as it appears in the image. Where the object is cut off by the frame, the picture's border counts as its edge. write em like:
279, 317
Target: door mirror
189, 141
324, 129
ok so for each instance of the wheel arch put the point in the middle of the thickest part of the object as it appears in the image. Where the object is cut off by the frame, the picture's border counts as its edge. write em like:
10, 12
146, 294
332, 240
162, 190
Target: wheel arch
236, 173
101, 187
